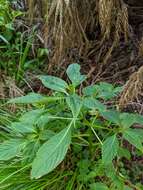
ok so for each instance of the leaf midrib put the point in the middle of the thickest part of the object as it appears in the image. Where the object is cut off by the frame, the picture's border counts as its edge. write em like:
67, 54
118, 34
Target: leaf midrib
61, 139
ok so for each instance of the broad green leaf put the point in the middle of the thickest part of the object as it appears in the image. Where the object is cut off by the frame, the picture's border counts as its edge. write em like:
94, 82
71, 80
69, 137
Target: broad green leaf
10, 148
133, 137
106, 95
139, 131
106, 86
75, 104
27, 121
32, 116
73, 72
127, 120
109, 149
123, 152
51, 153
54, 83
28, 99
46, 134
90, 90
107, 91
98, 186
103, 90
138, 119
21, 127
30, 150
112, 116
43, 120
34, 98
127, 188
94, 104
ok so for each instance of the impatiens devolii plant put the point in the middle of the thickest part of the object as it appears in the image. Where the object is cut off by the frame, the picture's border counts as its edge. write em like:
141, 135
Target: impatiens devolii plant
43, 135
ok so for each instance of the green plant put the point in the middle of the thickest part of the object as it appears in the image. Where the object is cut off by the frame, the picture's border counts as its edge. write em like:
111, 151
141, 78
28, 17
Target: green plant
15, 46
16, 57
7, 17
64, 121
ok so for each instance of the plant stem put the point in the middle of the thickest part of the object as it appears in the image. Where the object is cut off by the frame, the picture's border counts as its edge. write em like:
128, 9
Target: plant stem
96, 135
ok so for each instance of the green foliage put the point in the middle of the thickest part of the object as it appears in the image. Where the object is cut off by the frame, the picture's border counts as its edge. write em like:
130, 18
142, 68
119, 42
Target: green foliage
94, 104
10, 149
10, 40
75, 103
123, 152
109, 149
98, 186
133, 136
123, 120
74, 74
7, 16
82, 124
16, 46
54, 83
102, 90
51, 153
28, 99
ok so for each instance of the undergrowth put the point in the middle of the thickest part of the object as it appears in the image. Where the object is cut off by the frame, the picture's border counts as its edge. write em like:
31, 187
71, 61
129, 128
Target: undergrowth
71, 139
16, 45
